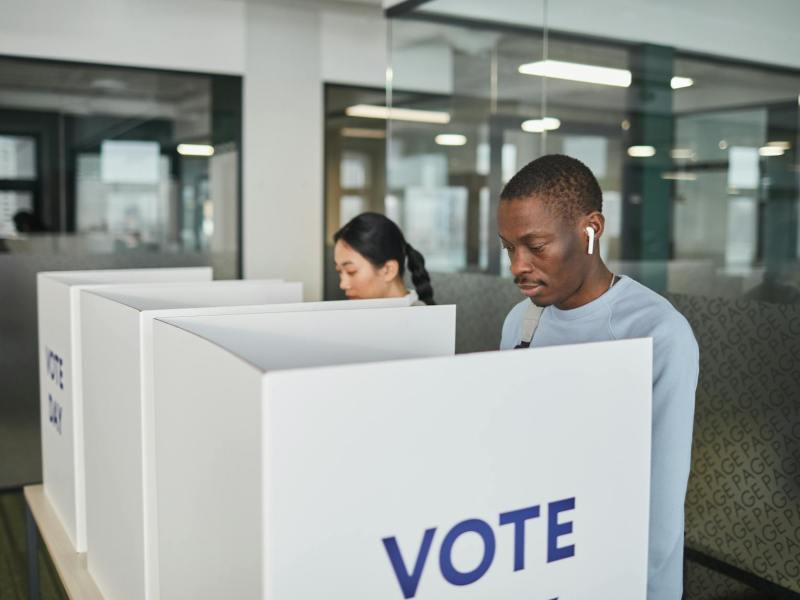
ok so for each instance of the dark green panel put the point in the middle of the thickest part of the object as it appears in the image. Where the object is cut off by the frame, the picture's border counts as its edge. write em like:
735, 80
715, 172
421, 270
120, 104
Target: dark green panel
647, 212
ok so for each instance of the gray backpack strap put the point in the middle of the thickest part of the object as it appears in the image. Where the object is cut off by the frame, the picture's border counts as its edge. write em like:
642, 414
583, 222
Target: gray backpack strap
530, 321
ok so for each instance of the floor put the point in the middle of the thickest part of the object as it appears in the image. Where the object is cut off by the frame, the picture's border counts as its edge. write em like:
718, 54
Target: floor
13, 561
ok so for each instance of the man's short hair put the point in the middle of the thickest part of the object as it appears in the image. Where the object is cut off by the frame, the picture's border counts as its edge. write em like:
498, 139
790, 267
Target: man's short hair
564, 184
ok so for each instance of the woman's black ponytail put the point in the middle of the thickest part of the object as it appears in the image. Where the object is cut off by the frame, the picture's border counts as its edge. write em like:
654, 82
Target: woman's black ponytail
419, 274
378, 239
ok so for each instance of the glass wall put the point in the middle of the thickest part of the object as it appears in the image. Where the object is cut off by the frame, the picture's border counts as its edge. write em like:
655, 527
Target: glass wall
709, 144
102, 160
697, 159
104, 167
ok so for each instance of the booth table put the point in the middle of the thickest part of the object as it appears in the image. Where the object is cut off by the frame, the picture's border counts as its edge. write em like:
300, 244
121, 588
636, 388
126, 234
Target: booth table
70, 565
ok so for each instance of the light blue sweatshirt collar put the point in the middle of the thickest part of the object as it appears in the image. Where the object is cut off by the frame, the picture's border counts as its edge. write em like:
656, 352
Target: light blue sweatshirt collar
591, 308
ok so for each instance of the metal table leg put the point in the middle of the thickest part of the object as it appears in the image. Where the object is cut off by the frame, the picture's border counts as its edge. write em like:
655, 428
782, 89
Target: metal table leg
33, 555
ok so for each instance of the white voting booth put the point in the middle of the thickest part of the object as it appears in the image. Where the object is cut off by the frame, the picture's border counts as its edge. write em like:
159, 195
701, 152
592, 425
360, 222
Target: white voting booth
208, 430
503, 475
119, 406
116, 331
60, 381
498, 475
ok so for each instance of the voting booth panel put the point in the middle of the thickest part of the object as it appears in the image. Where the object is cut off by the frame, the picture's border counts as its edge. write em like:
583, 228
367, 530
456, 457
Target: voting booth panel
117, 340
480, 476
209, 375
498, 475
60, 381
121, 492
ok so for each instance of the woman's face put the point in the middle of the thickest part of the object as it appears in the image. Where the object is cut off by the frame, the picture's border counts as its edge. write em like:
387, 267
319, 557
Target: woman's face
359, 278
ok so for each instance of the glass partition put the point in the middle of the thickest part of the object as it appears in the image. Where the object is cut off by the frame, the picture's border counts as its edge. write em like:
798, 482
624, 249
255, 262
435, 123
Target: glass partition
696, 155
104, 167
97, 160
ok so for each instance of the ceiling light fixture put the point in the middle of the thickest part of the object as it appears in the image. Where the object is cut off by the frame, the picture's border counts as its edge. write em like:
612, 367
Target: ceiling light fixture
782, 145
677, 83
540, 125
770, 151
578, 72
679, 176
682, 154
559, 69
641, 151
371, 111
451, 139
195, 150
363, 132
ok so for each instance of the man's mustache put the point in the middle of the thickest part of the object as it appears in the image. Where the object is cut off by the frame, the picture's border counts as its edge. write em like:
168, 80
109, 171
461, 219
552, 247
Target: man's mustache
526, 281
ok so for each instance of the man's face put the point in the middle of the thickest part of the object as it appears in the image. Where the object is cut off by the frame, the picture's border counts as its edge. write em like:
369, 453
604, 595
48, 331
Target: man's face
547, 252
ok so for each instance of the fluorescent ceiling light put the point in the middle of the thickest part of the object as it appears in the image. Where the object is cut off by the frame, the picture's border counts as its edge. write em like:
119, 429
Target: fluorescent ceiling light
108, 84
577, 72
570, 71
641, 151
679, 176
677, 83
540, 125
781, 145
451, 139
370, 111
363, 132
195, 150
770, 151
682, 153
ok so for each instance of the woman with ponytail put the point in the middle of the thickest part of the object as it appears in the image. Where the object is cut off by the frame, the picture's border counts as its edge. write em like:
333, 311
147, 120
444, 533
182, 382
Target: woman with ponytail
371, 258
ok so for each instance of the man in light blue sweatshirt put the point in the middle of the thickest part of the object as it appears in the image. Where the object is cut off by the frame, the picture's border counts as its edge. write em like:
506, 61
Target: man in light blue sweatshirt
550, 221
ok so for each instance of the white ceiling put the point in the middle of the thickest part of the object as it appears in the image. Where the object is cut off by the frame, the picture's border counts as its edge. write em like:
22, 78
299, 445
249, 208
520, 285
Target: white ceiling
764, 32
418, 49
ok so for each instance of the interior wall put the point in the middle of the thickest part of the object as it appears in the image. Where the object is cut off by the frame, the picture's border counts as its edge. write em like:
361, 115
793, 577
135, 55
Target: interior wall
285, 51
188, 35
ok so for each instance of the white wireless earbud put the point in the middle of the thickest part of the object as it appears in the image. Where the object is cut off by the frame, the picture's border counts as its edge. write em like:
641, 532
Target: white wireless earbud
590, 233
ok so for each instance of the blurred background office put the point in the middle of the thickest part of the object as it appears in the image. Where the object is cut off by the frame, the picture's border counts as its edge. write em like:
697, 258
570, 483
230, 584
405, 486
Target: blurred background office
243, 133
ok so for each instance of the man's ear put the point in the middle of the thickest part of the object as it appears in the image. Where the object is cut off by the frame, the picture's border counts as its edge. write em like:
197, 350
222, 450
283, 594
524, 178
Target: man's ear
389, 270
596, 221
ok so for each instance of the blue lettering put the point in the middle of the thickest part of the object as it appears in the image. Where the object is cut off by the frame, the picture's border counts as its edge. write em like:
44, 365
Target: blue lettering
518, 518
449, 572
408, 581
55, 413
55, 367
556, 530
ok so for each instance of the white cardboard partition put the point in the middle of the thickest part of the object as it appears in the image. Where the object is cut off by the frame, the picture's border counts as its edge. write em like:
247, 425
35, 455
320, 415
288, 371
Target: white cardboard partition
498, 475
121, 485
209, 445
116, 331
60, 381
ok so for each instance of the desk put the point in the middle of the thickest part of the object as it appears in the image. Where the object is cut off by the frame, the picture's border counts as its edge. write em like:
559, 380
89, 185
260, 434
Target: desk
70, 565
